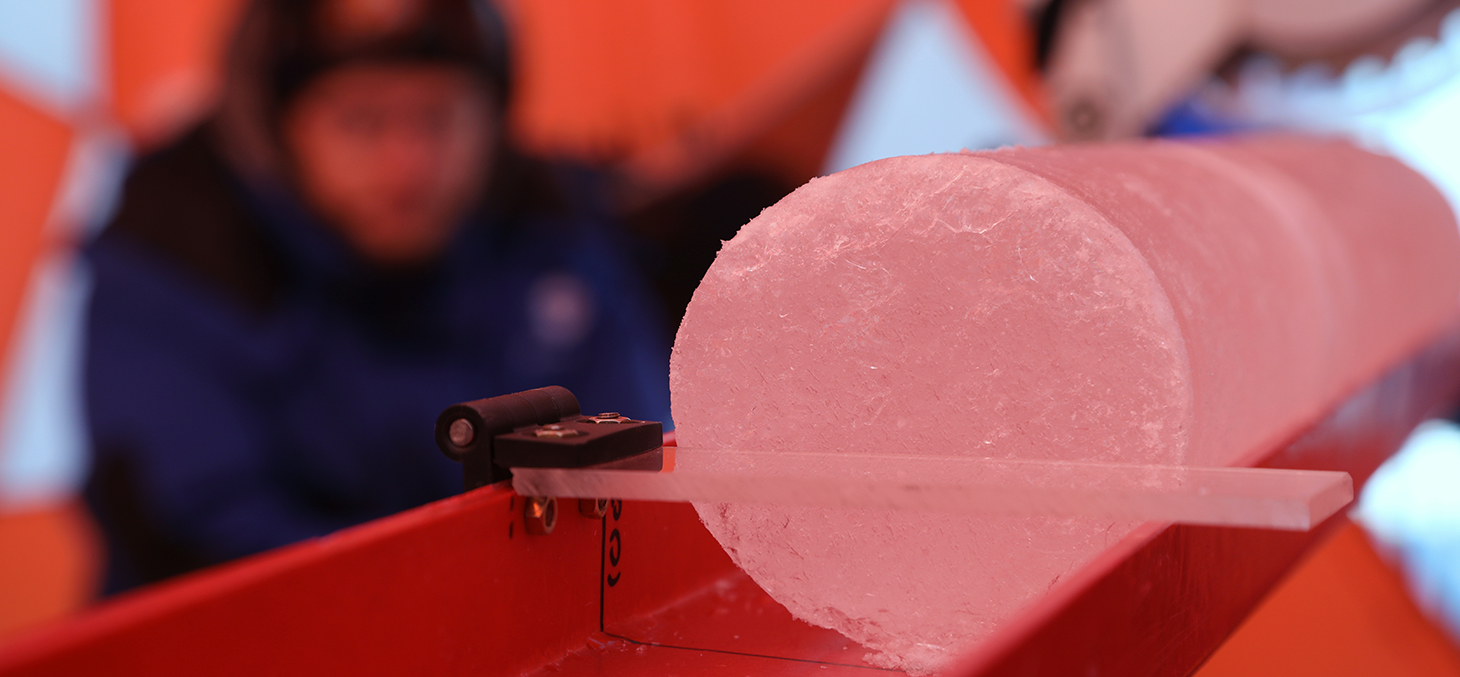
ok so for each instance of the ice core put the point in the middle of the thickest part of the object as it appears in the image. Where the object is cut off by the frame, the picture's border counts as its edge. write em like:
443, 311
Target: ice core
1154, 303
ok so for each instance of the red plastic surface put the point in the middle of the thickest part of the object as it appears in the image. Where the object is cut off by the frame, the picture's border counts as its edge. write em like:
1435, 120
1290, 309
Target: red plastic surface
1163, 600
456, 587
674, 602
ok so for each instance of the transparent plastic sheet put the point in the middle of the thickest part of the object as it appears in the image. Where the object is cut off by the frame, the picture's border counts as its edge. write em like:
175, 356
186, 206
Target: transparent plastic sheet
1244, 497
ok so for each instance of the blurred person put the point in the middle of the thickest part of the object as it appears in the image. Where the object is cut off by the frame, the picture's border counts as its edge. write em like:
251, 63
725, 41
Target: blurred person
289, 294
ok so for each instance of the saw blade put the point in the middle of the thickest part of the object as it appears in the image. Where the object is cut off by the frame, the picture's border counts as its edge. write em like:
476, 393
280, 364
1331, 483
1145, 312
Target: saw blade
1381, 40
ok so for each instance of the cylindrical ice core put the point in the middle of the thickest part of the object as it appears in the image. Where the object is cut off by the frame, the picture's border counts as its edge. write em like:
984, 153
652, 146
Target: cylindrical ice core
1157, 302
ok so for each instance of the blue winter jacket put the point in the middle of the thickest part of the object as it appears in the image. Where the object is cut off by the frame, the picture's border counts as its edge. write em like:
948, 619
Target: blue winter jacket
251, 383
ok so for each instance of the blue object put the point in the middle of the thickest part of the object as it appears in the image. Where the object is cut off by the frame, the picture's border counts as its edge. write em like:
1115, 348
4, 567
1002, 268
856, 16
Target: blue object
1190, 118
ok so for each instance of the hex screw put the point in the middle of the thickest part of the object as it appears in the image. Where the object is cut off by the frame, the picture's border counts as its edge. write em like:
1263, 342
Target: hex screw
593, 508
557, 430
540, 515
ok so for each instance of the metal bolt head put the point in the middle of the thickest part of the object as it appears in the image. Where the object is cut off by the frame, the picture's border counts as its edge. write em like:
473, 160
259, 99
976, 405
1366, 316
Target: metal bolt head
541, 515
608, 417
462, 432
557, 430
593, 508
608, 414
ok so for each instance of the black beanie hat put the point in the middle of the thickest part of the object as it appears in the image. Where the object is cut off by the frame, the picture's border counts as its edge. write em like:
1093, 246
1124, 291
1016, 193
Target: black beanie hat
306, 38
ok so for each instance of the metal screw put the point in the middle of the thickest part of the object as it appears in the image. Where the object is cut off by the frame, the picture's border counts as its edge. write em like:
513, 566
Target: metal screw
462, 432
593, 507
557, 430
541, 515
608, 417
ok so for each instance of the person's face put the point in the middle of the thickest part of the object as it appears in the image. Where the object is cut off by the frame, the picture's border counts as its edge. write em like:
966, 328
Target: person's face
392, 155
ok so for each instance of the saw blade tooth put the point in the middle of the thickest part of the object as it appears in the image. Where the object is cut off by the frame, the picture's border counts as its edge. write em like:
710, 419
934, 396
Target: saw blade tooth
1423, 65
1271, 90
1365, 82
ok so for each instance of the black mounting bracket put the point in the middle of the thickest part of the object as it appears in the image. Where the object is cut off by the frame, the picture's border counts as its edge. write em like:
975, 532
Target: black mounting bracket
539, 428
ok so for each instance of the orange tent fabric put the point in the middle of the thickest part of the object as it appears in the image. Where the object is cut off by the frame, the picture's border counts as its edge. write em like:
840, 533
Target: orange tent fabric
44, 562
1343, 611
163, 61
33, 152
49, 562
668, 88
672, 88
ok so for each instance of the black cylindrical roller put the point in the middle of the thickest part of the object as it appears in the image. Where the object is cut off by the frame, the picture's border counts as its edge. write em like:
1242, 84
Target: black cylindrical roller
468, 428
